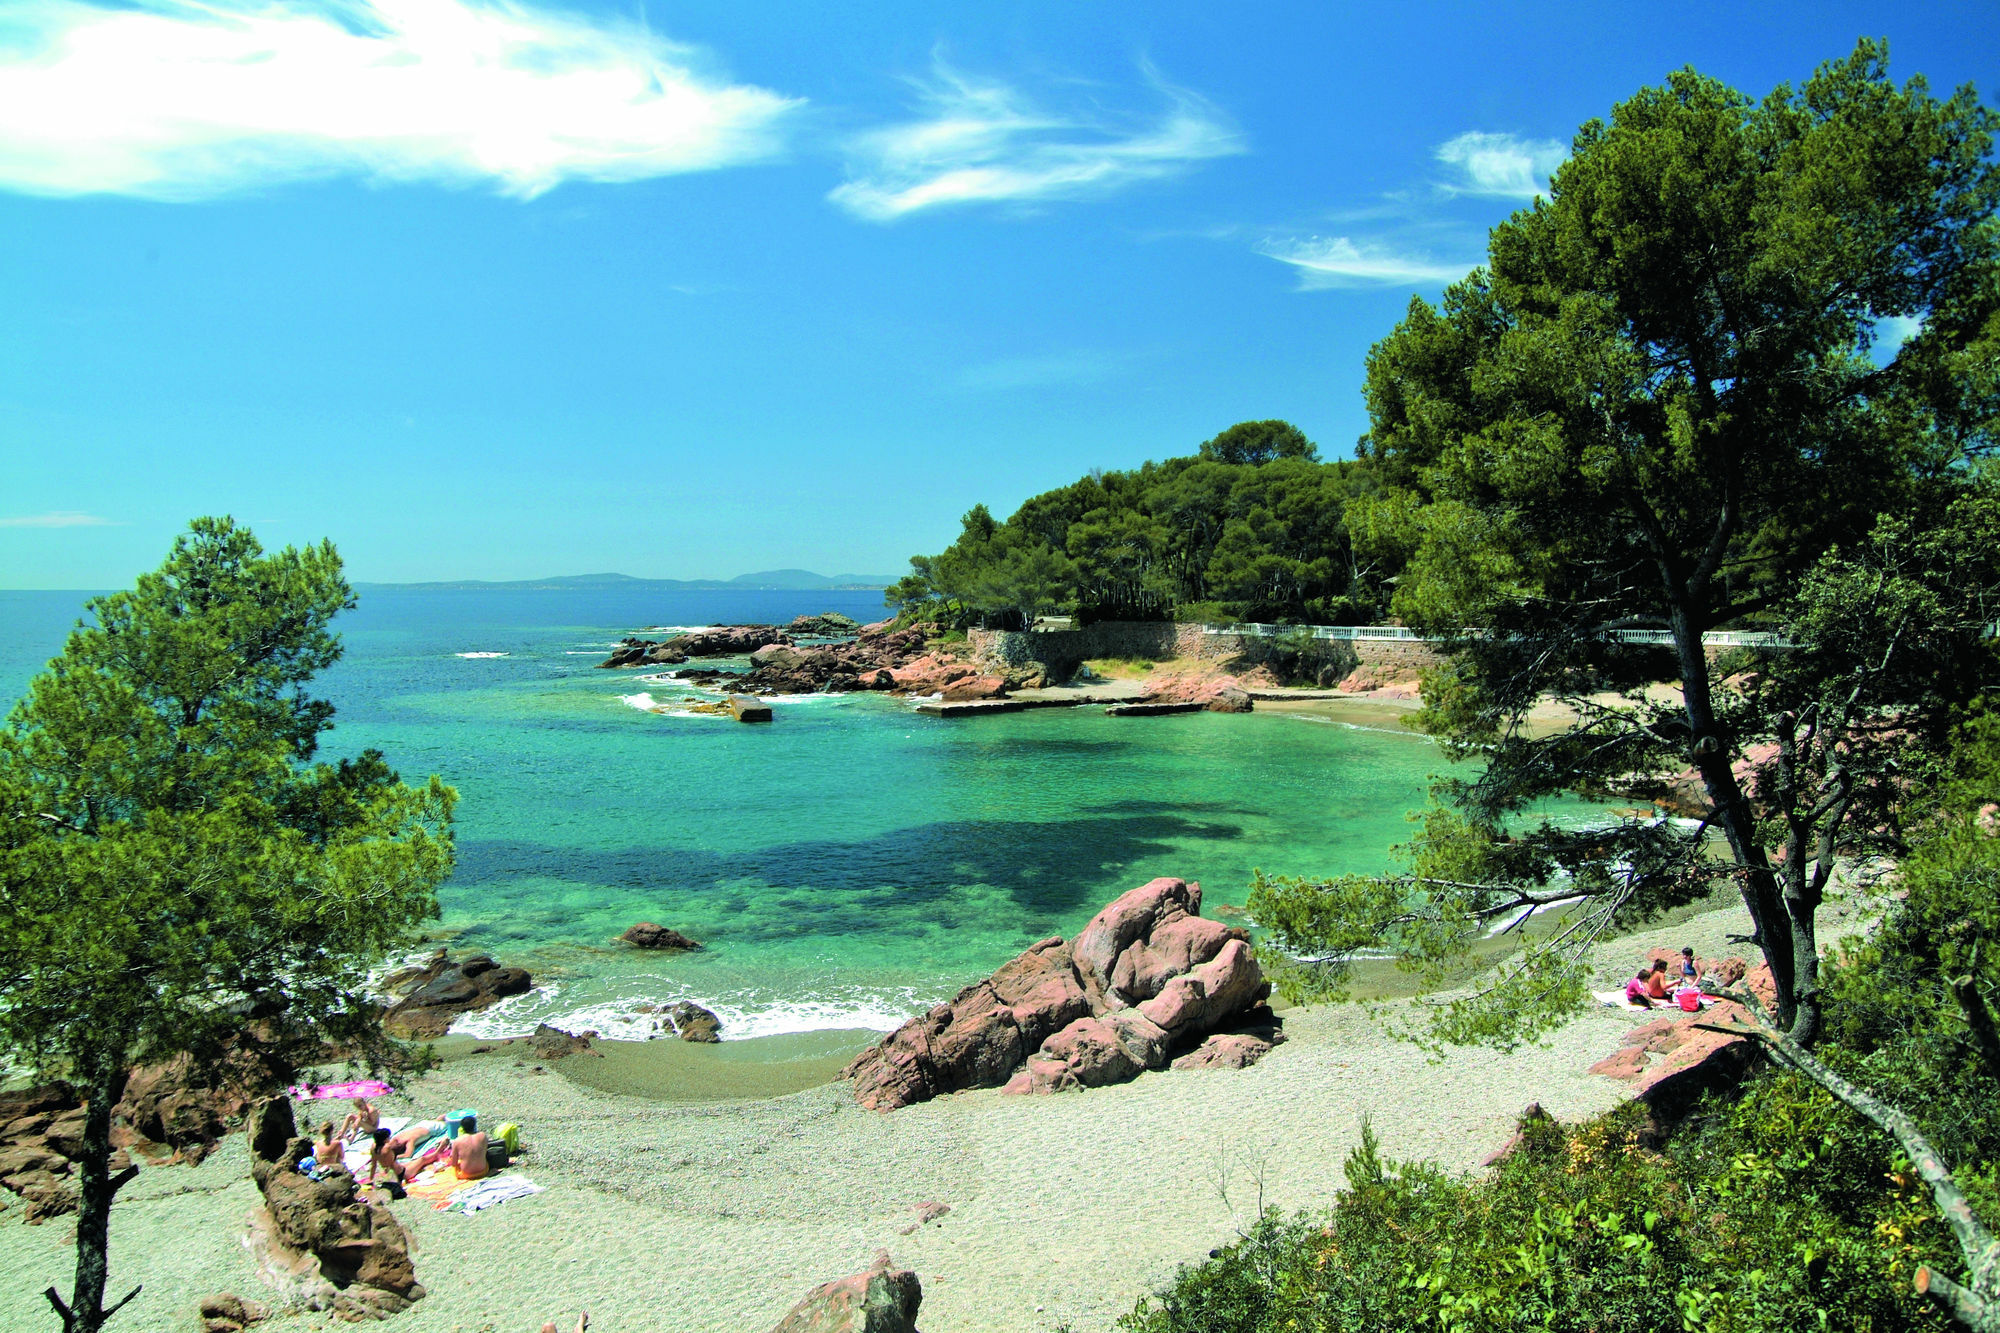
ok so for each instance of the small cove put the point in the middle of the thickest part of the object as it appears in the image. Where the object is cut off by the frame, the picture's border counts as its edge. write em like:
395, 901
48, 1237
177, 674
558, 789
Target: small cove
848, 865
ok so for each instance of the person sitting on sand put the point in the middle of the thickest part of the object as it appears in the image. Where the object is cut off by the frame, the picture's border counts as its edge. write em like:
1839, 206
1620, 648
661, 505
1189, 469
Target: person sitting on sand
468, 1150
1635, 989
1688, 971
327, 1151
1656, 980
361, 1121
381, 1157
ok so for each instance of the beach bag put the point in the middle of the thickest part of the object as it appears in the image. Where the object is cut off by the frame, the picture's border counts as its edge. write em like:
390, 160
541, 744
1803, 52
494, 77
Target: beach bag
509, 1134
1690, 1000
497, 1155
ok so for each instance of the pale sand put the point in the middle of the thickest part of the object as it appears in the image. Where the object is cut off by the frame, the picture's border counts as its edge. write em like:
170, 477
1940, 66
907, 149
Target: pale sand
717, 1217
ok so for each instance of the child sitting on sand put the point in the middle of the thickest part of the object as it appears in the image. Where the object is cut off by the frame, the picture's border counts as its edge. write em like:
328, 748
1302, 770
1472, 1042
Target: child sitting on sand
1636, 991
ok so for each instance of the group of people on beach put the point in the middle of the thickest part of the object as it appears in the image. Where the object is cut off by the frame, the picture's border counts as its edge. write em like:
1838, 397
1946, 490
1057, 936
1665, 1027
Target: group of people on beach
408, 1152
1651, 985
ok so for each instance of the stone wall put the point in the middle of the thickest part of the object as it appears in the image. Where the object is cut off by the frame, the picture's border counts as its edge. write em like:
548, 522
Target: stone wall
1060, 651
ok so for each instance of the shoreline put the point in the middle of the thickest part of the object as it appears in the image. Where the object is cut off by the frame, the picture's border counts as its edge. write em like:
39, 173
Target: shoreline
662, 1209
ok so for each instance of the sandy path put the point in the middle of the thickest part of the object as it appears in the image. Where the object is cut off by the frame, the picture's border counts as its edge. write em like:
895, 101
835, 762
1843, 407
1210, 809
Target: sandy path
717, 1217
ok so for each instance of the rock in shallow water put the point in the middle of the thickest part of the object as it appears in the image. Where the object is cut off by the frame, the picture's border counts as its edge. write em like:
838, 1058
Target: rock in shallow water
646, 935
441, 990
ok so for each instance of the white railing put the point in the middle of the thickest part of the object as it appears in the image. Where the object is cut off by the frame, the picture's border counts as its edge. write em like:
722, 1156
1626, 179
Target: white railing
1721, 638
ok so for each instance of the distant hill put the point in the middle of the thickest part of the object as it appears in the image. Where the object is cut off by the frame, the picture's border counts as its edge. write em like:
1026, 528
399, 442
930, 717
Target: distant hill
788, 580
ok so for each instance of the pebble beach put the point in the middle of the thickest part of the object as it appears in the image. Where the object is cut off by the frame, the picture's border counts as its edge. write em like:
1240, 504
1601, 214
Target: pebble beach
679, 1211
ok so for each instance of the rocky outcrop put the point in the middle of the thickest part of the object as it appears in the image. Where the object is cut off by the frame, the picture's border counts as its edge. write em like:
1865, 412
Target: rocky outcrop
550, 1043
433, 995
1148, 976
715, 641
1671, 1063
868, 661
226, 1312
1226, 1050
360, 1252
646, 935
827, 625
1217, 694
166, 1110
881, 1298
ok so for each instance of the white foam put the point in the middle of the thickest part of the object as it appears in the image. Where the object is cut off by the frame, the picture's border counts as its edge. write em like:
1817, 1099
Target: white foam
742, 1016
642, 700
479, 654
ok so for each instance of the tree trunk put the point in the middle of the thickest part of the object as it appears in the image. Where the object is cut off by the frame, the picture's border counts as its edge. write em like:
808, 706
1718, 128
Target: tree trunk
1776, 933
101, 1081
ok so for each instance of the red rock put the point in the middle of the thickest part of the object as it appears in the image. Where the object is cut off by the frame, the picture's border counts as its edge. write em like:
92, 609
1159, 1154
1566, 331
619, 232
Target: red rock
967, 688
1230, 700
1225, 1050
978, 1038
1142, 974
1206, 996
881, 1298
1126, 920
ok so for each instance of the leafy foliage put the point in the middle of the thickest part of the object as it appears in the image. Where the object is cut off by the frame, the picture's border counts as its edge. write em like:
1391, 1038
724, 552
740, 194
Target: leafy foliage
1659, 407
1252, 527
179, 876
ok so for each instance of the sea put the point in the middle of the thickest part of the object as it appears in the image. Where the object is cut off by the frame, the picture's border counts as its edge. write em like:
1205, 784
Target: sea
847, 865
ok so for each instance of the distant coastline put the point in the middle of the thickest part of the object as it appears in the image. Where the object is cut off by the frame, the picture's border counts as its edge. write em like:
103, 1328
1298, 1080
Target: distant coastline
769, 580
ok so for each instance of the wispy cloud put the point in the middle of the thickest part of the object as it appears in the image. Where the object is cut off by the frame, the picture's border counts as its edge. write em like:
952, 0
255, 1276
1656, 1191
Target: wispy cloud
982, 141
1080, 366
1338, 261
1502, 165
186, 99
59, 518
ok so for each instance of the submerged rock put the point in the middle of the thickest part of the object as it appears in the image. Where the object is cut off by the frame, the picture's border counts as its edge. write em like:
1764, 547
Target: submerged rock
646, 935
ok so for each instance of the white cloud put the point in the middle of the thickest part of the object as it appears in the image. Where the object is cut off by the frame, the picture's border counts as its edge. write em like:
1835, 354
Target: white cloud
181, 99
982, 141
1337, 261
1501, 164
59, 518
1892, 331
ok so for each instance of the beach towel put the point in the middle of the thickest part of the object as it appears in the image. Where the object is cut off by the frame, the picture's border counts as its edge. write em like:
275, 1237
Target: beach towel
437, 1184
367, 1087
494, 1189
357, 1152
1616, 1000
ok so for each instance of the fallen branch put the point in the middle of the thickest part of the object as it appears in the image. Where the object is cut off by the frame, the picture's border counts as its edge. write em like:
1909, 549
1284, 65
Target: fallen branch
1976, 1305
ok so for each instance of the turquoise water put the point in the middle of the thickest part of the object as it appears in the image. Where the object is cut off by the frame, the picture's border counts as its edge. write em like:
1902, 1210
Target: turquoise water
847, 865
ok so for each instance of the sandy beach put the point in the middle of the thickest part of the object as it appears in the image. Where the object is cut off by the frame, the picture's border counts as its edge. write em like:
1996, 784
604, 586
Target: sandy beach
669, 1212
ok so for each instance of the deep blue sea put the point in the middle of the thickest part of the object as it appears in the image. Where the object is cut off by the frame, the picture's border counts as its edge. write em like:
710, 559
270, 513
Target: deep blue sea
848, 864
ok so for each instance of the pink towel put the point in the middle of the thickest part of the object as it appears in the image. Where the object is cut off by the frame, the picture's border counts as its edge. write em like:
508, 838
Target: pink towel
367, 1087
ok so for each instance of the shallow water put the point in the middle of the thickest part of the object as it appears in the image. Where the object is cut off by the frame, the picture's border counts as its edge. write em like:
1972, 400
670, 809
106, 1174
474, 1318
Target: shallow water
848, 864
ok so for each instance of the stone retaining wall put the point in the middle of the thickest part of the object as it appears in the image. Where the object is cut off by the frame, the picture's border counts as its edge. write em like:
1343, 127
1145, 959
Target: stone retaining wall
1061, 651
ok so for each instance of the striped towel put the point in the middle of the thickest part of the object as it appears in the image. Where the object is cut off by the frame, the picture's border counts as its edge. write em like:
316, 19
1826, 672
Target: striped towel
494, 1189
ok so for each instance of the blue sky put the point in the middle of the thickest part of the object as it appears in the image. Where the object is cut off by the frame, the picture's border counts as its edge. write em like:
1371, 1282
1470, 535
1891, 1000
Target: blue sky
485, 291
